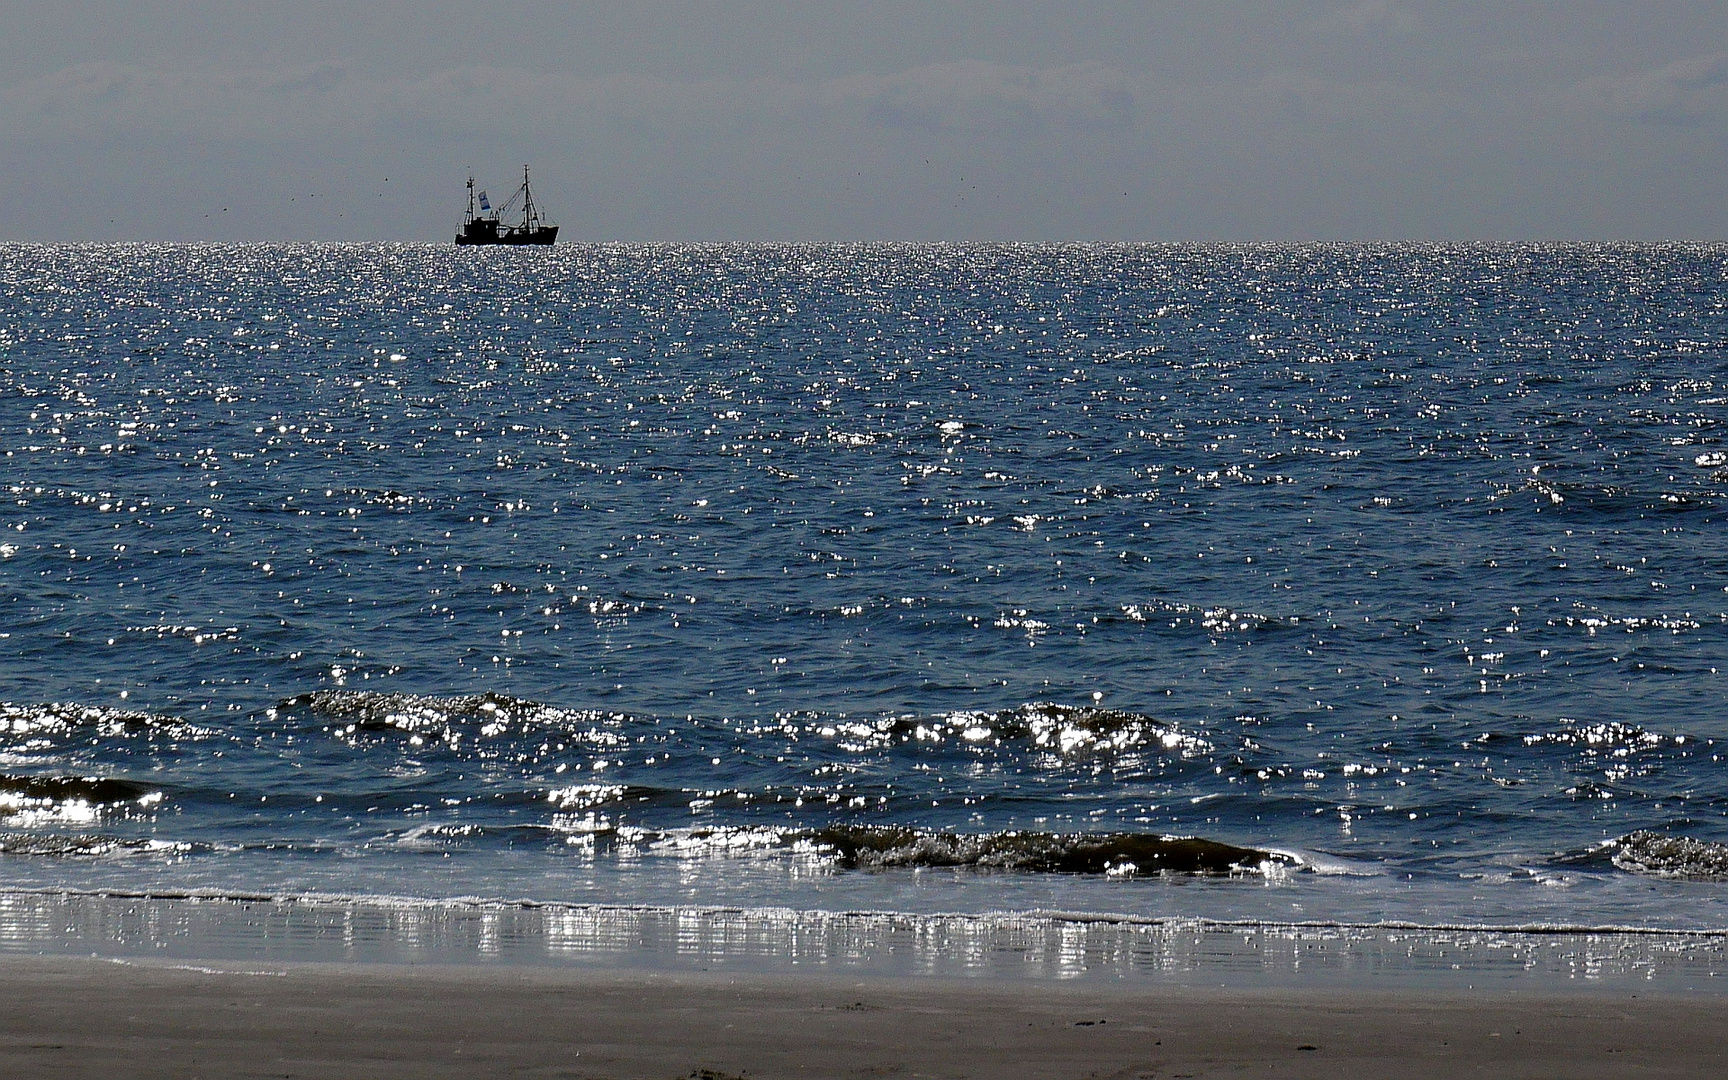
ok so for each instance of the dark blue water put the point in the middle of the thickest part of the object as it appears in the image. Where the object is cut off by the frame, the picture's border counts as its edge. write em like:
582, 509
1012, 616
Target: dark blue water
800, 575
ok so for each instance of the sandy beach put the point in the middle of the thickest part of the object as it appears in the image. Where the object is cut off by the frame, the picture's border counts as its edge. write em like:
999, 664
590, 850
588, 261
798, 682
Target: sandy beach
67, 1017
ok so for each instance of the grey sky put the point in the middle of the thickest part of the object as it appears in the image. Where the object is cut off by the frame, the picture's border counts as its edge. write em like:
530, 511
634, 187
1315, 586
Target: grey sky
896, 119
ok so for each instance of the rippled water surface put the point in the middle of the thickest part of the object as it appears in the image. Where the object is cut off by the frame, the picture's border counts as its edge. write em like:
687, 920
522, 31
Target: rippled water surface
905, 578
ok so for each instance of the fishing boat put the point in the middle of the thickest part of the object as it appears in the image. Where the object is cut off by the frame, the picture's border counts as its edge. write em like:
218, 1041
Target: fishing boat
487, 225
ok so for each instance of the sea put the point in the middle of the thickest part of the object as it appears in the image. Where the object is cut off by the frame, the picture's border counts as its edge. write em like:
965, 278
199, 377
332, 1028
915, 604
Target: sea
727, 593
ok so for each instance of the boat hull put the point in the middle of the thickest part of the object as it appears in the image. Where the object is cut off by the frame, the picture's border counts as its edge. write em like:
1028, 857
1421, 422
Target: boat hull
541, 237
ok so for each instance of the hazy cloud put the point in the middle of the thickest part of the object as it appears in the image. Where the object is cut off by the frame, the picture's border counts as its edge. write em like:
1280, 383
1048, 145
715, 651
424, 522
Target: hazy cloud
89, 100
1377, 15
105, 99
1685, 91
1298, 98
972, 95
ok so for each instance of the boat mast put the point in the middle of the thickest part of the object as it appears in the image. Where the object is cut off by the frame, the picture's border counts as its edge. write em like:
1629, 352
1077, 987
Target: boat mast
470, 218
530, 219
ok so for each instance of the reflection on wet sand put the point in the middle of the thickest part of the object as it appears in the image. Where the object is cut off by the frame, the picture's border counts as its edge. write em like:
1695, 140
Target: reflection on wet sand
1011, 946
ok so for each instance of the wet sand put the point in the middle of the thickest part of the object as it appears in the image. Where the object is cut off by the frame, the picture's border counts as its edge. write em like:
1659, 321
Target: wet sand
93, 1018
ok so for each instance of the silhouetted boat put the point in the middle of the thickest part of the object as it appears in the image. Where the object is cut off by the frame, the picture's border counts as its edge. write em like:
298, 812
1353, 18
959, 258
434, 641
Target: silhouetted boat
487, 227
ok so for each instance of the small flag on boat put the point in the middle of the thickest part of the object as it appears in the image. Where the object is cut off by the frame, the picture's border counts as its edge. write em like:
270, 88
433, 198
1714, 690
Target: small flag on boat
484, 205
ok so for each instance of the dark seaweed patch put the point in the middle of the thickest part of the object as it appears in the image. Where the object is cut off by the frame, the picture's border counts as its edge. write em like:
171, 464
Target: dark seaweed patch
1121, 854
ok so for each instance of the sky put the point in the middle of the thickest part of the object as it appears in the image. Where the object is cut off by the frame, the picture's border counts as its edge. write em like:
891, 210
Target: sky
938, 120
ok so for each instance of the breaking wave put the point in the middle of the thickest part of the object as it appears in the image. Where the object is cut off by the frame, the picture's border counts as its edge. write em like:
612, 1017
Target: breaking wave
42, 800
90, 789
1044, 725
61, 720
458, 721
1666, 856
882, 848
450, 720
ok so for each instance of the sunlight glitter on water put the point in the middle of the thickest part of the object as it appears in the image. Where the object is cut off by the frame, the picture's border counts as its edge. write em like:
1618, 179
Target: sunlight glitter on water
1403, 558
